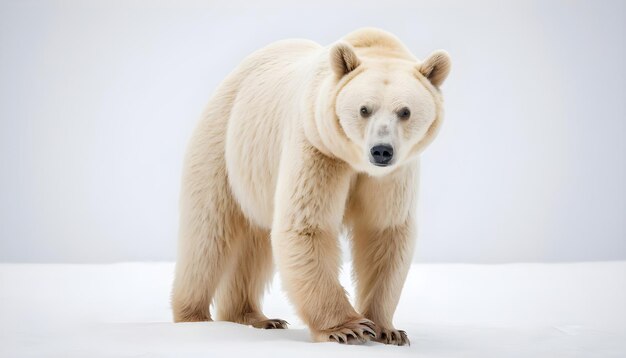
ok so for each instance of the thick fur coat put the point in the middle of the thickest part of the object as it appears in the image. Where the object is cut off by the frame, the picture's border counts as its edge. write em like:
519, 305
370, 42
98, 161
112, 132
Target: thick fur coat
299, 143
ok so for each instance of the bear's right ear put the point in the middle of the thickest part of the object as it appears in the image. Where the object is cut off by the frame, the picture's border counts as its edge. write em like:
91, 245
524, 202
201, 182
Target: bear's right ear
343, 60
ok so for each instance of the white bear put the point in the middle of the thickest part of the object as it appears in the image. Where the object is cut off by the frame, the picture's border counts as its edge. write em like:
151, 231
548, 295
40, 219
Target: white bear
298, 143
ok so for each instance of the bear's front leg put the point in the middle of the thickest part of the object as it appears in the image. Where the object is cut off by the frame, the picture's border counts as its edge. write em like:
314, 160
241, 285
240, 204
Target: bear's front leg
309, 207
383, 233
382, 258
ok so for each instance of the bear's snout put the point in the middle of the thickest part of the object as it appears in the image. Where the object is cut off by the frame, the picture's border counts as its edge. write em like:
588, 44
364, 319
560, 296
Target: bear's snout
381, 155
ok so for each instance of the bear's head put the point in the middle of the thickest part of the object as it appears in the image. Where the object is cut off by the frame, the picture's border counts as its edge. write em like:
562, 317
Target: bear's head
386, 105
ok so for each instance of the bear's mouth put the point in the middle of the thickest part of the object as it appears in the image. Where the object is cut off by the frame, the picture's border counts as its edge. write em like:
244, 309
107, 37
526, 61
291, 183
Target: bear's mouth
381, 164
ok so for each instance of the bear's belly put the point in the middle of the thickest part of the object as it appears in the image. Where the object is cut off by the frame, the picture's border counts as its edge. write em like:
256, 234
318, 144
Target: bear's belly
252, 160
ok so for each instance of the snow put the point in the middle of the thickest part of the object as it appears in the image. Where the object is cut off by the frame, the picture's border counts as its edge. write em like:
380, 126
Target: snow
448, 310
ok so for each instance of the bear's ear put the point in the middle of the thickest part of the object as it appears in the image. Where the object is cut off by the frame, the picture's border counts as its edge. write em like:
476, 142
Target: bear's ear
343, 60
436, 67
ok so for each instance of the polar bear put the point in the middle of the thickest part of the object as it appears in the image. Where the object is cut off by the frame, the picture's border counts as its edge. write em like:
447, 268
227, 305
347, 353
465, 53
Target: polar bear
299, 143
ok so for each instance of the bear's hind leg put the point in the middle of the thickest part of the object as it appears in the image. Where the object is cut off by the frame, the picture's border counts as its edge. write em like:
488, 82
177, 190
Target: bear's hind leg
206, 253
239, 296
209, 214
208, 242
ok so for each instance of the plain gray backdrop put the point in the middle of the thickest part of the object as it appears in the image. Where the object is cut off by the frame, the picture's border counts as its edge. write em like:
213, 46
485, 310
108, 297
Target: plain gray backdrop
98, 99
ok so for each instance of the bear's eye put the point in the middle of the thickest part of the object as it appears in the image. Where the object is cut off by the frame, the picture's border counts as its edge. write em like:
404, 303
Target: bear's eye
404, 113
365, 112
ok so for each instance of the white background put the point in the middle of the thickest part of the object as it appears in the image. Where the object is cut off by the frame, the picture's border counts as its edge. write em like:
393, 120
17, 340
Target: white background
98, 99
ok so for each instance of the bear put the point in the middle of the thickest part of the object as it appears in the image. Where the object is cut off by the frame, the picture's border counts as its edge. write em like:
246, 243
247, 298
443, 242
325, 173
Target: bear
299, 144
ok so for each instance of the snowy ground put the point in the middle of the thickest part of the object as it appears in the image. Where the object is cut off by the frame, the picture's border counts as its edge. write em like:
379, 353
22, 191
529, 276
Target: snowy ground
448, 310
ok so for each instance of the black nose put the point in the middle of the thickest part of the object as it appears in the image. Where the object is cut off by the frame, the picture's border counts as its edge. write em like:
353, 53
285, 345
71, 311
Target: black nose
381, 154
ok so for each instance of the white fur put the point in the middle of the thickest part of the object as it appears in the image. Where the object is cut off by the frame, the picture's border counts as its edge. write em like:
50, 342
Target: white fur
280, 163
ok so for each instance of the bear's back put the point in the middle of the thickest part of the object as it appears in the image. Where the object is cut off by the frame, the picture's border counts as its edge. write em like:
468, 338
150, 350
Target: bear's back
373, 42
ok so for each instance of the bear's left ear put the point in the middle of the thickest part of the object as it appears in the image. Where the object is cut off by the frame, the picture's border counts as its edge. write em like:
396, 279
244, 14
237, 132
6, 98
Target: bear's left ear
436, 67
343, 60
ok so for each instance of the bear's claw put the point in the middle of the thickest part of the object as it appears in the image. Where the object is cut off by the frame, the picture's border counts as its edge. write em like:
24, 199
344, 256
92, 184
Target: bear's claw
353, 332
271, 324
393, 336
